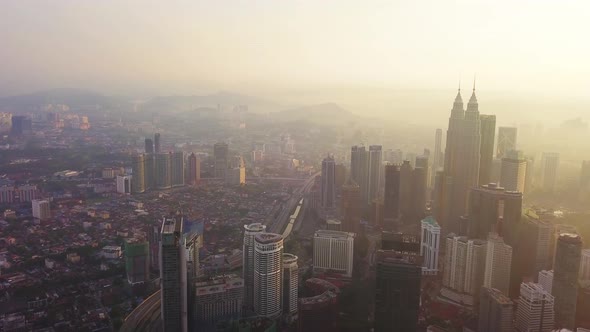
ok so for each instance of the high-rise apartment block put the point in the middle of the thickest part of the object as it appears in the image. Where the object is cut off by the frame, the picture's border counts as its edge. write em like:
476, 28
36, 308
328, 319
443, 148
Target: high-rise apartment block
290, 285
250, 231
217, 299
535, 311
268, 275
429, 247
41, 209
124, 184
138, 171
495, 311
173, 276
333, 252
359, 170
565, 279
498, 263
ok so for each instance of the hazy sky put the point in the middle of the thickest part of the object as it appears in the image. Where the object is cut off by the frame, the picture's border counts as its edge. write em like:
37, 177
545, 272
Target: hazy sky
127, 46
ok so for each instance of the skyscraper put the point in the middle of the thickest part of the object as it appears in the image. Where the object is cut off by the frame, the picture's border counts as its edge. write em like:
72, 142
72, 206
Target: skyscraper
565, 279
464, 268
506, 141
268, 275
157, 143
391, 197
429, 247
350, 206
406, 188
173, 276
250, 231
422, 162
221, 159
194, 169
138, 170
290, 285
585, 265
437, 162
397, 295
419, 186
333, 251
177, 169
495, 311
550, 166
359, 170
513, 172
498, 263
488, 135
137, 263
535, 309
375, 170
41, 209
535, 254
492, 208
546, 280
163, 165
328, 184
585, 175
462, 157
124, 184
149, 145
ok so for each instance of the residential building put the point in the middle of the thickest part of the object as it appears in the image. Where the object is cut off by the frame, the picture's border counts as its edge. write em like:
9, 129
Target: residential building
290, 286
250, 231
429, 248
41, 209
124, 184
495, 311
218, 299
268, 275
546, 280
498, 263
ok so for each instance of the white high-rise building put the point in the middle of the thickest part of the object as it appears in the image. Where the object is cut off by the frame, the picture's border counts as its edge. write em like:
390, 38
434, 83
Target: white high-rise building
585, 265
268, 275
464, 267
250, 231
333, 252
546, 280
41, 209
513, 171
429, 247
498, 262
124, 184
535, 309
290, 285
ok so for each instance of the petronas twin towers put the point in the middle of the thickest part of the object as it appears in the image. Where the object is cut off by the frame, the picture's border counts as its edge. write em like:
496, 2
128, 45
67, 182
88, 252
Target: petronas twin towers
461, 164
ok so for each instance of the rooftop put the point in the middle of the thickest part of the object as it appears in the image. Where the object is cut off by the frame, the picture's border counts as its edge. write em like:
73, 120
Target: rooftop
268, 238
333, 234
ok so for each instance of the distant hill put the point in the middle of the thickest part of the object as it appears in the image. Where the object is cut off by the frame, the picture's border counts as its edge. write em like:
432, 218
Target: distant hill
223, 98
71, 97
326, 114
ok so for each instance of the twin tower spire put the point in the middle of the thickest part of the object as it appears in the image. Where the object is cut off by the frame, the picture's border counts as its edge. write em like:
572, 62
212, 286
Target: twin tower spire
472, 100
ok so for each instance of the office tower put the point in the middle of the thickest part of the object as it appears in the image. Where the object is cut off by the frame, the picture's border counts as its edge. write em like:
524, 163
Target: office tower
350, 206
422, 162
41, 209
536, 254
506, 141
138, 170
218, 299
163, 165
488, 135
498, 263
153, 235
177, 169
583, 308
375, 170
268, 274
359, 170
495, 311
194, 169
290, 285
461, 161
221, 159
137, 261
157, 146
464, 268
559, 229
437, 162
173, 276
585, 265
339, 175
535, 309
192, 240
250, 231
124, 184
513, 172
327, 187
419, 186
529, 175
429, 247
397, 295
585, 175
391, 198
550, 166
333, 252
406, 204
149, 146
546, 280
565, 279
492, 208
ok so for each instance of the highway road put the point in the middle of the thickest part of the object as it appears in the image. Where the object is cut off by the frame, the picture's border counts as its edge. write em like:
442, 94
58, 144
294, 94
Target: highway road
145, 317
279, 224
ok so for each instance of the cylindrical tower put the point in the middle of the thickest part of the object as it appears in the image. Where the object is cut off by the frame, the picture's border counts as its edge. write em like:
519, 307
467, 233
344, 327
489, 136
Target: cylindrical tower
290, 284
248, 261
268, 274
